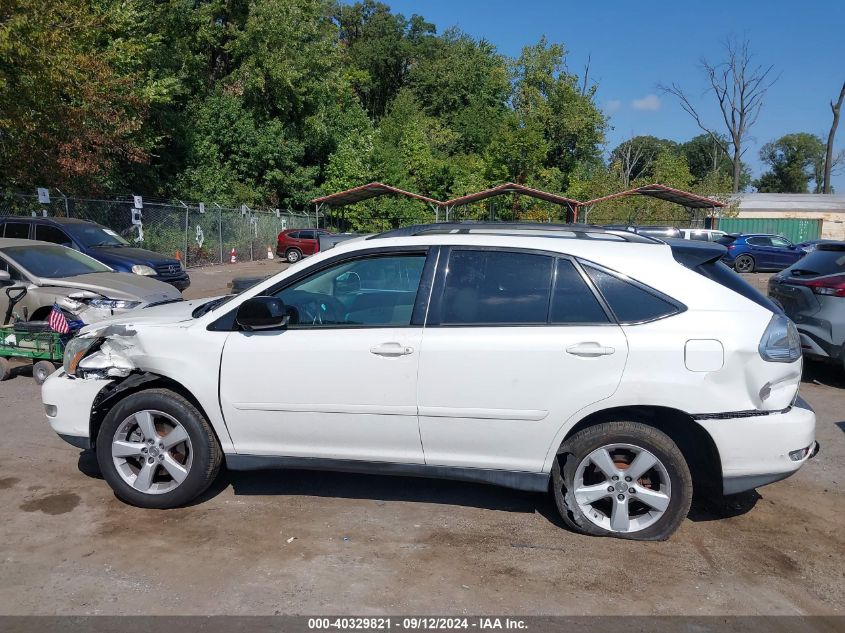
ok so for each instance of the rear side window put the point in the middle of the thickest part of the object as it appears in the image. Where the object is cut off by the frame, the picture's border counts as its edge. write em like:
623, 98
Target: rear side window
629, 302
759, 241
18, 230
496, 287
572, 299
306, 235
294, 235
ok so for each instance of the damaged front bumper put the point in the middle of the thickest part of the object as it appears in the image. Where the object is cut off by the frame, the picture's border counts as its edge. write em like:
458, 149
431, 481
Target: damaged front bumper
68, 402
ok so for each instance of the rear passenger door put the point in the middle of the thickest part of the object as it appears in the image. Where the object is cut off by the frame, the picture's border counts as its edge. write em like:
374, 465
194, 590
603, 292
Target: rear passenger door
515, 343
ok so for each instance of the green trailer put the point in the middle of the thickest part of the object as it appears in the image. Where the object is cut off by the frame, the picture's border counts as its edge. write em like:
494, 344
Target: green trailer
34, 342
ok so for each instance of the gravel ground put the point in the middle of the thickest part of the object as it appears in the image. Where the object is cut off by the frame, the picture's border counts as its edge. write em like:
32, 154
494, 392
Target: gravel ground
301, 542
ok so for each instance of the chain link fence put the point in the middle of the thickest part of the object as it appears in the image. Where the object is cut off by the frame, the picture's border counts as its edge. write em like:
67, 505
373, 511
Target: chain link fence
198, 234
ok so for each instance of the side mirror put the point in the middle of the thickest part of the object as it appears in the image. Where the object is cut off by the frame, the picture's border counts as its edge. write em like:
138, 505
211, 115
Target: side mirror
5, 278
262, 313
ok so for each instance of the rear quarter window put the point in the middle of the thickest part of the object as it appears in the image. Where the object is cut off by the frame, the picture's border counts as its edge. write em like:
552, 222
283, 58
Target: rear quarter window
630, 302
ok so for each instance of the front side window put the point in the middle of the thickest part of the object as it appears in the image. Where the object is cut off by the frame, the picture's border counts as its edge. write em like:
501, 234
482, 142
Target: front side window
378, 291
629, 302
48, 233
496, 288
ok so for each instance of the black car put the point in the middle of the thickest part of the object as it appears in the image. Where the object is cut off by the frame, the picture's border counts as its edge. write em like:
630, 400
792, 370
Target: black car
98, 242
812, 293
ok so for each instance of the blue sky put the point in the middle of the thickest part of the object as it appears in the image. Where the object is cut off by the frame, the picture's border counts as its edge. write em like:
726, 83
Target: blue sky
636, 45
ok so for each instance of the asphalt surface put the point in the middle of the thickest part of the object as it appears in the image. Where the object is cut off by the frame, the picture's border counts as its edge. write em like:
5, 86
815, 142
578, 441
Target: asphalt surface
317, 543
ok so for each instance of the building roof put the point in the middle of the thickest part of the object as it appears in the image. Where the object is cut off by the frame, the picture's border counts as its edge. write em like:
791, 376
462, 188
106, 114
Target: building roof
662, 192
364, 192
786, 202
511, 187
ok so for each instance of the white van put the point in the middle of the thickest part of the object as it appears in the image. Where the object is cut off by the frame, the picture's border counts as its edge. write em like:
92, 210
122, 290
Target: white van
702, 235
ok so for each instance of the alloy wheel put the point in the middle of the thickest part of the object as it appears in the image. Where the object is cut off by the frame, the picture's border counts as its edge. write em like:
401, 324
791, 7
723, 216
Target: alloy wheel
152, 452
622, 488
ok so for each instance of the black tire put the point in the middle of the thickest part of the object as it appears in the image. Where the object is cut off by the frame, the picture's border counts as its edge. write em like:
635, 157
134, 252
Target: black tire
745, 264
578, 447
41, 370
206, 453
5, 368
293, 255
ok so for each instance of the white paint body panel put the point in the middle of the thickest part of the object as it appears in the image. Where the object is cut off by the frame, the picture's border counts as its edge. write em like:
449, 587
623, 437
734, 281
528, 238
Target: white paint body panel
500, 398
322, 393
493, 397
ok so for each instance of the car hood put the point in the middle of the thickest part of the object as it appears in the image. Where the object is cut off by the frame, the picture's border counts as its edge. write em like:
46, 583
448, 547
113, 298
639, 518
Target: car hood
166, 314
129, 255
118, 286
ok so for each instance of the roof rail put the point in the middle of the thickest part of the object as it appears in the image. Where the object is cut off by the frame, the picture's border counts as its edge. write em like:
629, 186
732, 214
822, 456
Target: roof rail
575, 231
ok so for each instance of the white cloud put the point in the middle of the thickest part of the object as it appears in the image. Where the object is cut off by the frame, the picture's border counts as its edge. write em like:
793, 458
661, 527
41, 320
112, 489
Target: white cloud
612, 106
650, 103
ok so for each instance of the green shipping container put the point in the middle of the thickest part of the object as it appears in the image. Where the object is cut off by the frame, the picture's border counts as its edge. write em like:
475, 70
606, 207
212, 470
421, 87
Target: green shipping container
795, 230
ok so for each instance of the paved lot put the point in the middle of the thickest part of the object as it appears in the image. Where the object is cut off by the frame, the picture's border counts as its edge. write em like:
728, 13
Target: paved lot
365, 544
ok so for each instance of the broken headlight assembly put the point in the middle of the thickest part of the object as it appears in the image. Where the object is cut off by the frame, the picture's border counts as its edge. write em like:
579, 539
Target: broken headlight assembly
92, 357
75, 350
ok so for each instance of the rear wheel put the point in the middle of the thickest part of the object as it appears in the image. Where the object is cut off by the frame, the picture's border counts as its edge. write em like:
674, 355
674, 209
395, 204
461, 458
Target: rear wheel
41, 370
156, 450
622, 479
744, 264
293, 255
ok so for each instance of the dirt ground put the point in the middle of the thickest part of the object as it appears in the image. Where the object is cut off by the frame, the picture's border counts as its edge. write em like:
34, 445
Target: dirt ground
311, 543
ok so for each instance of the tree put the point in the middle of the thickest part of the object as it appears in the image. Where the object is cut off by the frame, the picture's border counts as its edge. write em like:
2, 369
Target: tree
829, 158
794, 160
739, 87
636, 157
73, 94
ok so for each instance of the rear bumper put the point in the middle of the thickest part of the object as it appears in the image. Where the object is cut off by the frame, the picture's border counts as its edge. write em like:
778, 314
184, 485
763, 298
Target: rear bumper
760, 450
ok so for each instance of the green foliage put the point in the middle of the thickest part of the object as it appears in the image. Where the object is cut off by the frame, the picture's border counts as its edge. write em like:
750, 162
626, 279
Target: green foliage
794, 160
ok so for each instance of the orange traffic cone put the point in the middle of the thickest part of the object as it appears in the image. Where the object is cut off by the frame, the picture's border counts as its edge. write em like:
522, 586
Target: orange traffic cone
178, 255
233, 257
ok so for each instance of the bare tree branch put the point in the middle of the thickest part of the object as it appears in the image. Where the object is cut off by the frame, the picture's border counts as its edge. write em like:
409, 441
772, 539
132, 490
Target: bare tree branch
739, 87
830, 162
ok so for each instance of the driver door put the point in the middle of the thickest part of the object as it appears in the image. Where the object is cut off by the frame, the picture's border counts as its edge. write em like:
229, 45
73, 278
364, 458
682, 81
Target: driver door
340, 381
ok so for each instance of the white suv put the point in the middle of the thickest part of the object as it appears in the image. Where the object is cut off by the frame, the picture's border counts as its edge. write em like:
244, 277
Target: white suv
615, 370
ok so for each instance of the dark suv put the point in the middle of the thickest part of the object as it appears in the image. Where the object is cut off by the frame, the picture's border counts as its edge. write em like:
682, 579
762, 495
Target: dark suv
294, 244
812, 293
98, 242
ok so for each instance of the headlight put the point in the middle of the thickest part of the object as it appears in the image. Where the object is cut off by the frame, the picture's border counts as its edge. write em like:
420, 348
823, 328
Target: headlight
141, 269
113, 304
77, 349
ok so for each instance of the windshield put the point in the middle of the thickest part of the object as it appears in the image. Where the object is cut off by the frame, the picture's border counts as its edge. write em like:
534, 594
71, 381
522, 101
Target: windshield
53, 261
94, 235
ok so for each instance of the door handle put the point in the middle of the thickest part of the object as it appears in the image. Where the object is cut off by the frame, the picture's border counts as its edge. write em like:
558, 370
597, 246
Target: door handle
589, 350
391, 349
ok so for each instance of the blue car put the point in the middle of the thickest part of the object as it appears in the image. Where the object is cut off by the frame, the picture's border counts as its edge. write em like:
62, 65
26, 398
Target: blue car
98, 242
758, 252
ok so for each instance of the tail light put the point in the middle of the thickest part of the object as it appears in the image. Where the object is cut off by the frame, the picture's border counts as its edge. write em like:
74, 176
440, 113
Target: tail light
833, 286
781, 342
730, 247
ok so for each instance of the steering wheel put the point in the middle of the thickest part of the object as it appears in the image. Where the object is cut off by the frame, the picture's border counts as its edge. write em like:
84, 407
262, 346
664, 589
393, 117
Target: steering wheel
321, 309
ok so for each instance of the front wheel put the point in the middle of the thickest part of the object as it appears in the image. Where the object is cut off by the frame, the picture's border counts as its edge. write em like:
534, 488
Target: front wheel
744, 264
622, 479
156, 450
